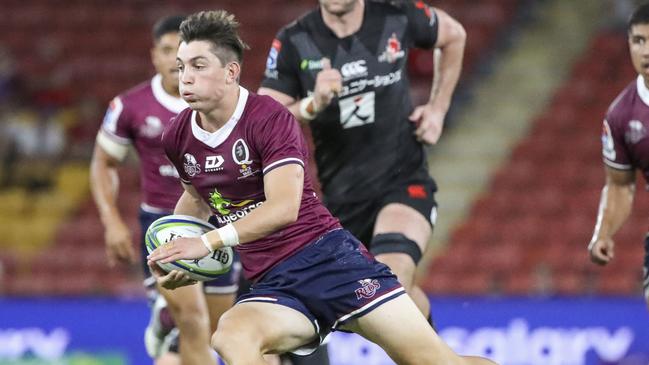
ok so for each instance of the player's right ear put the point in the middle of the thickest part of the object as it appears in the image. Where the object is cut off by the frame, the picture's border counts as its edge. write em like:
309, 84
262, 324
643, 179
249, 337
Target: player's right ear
232, 72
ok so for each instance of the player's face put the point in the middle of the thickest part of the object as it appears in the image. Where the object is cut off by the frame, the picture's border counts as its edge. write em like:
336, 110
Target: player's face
203, 78
639, 48
163, 55
338, 7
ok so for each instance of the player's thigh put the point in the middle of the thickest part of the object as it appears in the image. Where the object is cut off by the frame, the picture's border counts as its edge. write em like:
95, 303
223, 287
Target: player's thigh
187, 300
217, 304
168, 358
272, 328
400, 329
401, 218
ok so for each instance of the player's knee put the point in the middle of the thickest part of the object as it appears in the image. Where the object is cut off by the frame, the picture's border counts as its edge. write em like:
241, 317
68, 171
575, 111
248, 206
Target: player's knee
232, 344
399, 252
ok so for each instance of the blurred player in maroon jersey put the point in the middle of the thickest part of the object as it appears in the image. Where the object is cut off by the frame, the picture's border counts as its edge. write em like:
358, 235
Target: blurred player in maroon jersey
137, 118
242, 158
625, 148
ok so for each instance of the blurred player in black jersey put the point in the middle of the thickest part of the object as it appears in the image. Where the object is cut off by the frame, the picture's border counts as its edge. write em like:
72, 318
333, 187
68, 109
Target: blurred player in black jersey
342, 69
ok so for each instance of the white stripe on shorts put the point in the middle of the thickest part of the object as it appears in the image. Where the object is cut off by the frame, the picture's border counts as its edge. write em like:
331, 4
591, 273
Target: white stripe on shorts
362, 309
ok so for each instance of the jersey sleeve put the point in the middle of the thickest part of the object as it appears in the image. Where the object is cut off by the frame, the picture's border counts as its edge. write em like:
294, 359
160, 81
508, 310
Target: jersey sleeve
422, 24
282, 73
613, 145
169, 143
280, 142
115, 133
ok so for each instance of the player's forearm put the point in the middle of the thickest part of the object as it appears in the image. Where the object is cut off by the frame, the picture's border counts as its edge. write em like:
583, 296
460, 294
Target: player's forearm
448, 66
104, 184
265, 220
294, 108
260, 222
297, 110
283, 192
614, 208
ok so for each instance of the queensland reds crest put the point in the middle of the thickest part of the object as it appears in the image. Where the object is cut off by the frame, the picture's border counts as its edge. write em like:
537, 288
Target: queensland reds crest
368, 288
192, 167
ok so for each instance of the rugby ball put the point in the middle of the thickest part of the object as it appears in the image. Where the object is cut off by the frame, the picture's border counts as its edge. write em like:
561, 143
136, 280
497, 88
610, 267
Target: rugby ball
168, 228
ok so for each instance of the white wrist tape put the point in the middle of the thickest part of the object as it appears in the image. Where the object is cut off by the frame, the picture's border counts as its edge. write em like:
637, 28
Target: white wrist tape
229, 235
304, 108
206, 242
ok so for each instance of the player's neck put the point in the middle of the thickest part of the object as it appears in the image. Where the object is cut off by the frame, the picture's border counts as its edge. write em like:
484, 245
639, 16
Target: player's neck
346, 24
170, 88
216, 118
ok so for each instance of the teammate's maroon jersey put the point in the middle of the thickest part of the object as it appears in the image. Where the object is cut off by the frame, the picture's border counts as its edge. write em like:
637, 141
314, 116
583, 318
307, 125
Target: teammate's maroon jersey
139, 117
227, 168
624, 134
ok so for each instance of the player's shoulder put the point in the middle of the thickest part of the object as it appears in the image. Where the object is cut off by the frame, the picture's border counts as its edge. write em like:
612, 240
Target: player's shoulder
177, 125
621, 105
304, 23
136, 94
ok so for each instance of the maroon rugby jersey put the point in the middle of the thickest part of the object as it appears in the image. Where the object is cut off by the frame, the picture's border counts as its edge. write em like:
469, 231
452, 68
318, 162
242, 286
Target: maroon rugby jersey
624, 134
139, 117
227, 168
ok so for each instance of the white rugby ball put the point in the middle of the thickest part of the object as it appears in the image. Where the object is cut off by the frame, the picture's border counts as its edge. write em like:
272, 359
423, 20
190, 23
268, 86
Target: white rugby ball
168, 228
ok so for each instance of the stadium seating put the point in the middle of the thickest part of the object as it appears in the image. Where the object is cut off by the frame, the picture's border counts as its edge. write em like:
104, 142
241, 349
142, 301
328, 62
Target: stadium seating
530, 230
101, 51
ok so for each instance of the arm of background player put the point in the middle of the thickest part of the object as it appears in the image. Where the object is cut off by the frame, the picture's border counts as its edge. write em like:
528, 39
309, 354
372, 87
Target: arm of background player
614, 208
449, 52
191, 203
327, 85
104, 184
288, 101
283, 190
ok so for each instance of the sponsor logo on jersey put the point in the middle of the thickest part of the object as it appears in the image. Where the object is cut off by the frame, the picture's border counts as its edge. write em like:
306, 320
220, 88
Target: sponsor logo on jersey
393, 50
357, 110
353, 70
214, 163
635, 133
241, 155
368, 288
417, 191
152, 127
608, 145
310, 65
271, 61
222, 205
192, 167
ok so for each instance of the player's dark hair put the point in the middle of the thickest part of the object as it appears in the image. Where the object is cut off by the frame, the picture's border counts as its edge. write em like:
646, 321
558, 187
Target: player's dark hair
218, 27
640, 16
166, 25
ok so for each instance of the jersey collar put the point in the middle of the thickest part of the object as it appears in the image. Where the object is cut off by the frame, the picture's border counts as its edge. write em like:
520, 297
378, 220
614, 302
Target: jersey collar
172, 103
643, 92
214, 139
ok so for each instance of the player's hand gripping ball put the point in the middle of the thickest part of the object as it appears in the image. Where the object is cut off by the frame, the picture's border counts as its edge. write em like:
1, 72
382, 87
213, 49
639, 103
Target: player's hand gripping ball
164, 230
